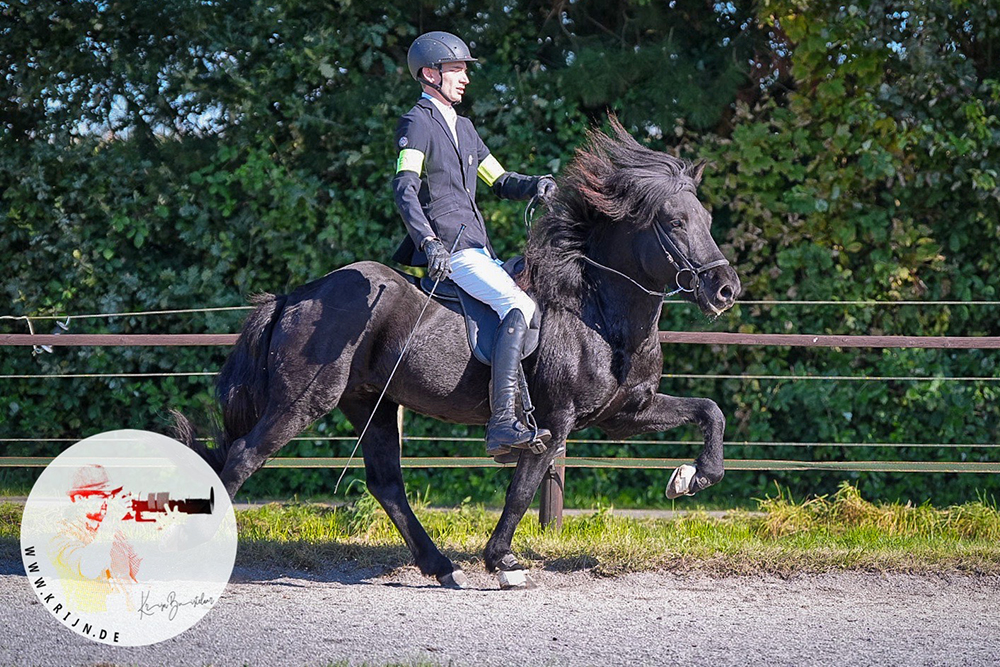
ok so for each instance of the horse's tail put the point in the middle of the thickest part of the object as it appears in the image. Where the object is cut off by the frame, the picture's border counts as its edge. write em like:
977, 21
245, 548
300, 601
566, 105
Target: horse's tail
242, 384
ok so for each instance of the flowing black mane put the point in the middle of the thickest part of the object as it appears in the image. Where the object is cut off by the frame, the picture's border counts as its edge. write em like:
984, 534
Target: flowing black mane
612, 179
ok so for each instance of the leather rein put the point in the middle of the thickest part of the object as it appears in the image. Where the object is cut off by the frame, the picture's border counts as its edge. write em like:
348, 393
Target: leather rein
680, 262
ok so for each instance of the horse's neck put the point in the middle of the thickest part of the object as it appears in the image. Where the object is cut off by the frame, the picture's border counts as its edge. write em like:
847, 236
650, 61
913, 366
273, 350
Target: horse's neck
628, 319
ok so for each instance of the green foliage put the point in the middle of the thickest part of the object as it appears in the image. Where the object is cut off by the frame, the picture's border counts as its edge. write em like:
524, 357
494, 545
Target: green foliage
187, 154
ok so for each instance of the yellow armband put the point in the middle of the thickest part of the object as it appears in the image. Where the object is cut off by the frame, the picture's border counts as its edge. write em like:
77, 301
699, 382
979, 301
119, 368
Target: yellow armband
410, 159
490, 170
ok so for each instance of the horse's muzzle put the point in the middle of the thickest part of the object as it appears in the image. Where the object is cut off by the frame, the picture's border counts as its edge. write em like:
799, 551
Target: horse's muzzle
720, 289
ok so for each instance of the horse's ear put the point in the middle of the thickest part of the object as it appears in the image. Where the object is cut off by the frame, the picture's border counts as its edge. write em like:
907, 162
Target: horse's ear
696, 171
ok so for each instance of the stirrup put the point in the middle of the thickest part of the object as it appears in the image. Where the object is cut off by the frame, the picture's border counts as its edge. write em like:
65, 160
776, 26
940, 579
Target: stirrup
514, 455
537, 445
539, 436
535, 441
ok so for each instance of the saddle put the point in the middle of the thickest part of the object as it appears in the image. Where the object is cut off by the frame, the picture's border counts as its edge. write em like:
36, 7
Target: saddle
481, 321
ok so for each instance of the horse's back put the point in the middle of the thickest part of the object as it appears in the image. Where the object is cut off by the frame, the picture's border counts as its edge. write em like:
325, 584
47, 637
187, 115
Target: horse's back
354, 281
354, 323
337, 310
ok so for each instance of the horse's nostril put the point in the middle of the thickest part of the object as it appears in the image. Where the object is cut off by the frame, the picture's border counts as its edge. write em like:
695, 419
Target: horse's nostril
726, 293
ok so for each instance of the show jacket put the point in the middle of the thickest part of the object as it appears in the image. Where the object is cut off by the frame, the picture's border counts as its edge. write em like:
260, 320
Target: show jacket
435, 182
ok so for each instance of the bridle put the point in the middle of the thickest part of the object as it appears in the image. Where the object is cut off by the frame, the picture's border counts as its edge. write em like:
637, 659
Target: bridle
680, 261
687, 272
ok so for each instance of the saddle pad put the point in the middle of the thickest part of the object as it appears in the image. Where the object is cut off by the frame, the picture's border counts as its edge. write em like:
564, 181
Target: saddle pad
481, 321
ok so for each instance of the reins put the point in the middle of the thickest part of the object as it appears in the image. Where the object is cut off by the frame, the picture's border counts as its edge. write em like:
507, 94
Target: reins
662, 295
683, 266
529, 214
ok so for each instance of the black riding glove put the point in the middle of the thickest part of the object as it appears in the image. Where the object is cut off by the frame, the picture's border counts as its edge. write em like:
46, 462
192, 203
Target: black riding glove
438, 259
546, 189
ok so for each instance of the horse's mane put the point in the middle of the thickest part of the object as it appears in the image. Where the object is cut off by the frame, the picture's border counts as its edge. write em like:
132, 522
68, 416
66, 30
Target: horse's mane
613, 179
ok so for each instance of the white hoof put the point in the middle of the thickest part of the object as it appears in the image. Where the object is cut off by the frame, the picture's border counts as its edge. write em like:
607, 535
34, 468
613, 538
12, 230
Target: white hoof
514, 580
680, 482
455, 579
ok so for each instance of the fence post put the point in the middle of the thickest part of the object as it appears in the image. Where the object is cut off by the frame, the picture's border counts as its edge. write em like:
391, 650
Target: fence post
550, 509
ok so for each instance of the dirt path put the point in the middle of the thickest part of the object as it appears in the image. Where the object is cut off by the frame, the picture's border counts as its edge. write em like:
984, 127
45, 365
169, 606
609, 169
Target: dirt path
270, 618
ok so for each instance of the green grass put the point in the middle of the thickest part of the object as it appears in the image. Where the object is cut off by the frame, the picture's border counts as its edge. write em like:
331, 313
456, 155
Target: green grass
842, 532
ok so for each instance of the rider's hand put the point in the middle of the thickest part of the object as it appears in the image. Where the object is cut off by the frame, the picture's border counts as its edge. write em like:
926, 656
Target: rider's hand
546, 189
438, 259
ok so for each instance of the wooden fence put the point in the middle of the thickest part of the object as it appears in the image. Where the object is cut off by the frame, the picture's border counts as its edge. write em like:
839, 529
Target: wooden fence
552, 490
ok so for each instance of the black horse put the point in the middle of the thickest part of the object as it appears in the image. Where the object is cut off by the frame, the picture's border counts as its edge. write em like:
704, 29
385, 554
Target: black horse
625, 223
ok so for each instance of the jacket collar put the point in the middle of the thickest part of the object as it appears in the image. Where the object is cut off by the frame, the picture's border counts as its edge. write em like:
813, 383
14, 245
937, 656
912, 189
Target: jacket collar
440, 106
436, 114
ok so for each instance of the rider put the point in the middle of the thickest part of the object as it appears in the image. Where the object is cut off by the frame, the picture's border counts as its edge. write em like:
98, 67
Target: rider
440, 155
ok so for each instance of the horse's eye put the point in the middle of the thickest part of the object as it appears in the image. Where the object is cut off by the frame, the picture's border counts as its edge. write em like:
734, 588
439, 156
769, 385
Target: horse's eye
676, 223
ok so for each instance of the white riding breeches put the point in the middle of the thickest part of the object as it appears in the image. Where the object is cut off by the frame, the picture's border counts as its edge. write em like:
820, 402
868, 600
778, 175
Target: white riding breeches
484, 279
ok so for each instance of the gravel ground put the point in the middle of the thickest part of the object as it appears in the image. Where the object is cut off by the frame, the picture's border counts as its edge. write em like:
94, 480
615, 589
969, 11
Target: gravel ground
294, 618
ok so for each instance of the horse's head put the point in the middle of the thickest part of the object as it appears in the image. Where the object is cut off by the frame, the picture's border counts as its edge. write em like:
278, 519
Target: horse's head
675, 248
635, 211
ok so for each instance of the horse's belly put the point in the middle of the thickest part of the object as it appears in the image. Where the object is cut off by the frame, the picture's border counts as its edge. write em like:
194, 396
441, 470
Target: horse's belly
442, 380
464, 402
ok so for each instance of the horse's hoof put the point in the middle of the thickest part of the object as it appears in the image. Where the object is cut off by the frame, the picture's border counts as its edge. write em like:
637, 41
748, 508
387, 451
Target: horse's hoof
454, 579
680, 482
512, 580
512, 575
508, 563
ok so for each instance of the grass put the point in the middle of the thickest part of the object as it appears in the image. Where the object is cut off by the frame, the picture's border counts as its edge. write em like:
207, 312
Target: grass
842, 532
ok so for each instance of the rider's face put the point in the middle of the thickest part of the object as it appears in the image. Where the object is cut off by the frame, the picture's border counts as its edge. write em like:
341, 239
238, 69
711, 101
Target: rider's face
453, 79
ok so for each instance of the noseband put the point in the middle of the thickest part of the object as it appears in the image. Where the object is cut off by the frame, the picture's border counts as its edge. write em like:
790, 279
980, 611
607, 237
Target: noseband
687, 272
681, 262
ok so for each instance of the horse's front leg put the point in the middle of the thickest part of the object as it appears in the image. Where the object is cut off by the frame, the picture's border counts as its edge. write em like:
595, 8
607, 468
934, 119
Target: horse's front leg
528, 476
665, 412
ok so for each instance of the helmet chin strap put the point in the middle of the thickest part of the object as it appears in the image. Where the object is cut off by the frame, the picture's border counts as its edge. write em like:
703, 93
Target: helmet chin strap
437, 86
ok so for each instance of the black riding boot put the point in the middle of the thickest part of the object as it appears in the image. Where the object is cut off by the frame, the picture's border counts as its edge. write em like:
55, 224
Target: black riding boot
504, 430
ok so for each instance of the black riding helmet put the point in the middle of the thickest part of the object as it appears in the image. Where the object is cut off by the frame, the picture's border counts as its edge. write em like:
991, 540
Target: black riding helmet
433, 49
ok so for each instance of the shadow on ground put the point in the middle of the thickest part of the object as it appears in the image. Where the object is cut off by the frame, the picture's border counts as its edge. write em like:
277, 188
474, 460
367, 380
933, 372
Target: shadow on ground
261, 562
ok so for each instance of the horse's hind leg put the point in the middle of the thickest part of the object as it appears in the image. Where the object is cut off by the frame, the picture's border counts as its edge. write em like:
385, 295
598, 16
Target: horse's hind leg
385, 481
295, 400
274, 430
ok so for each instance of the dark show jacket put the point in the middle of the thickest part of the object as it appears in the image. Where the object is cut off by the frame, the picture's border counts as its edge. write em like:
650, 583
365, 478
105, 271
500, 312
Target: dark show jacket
435, 182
